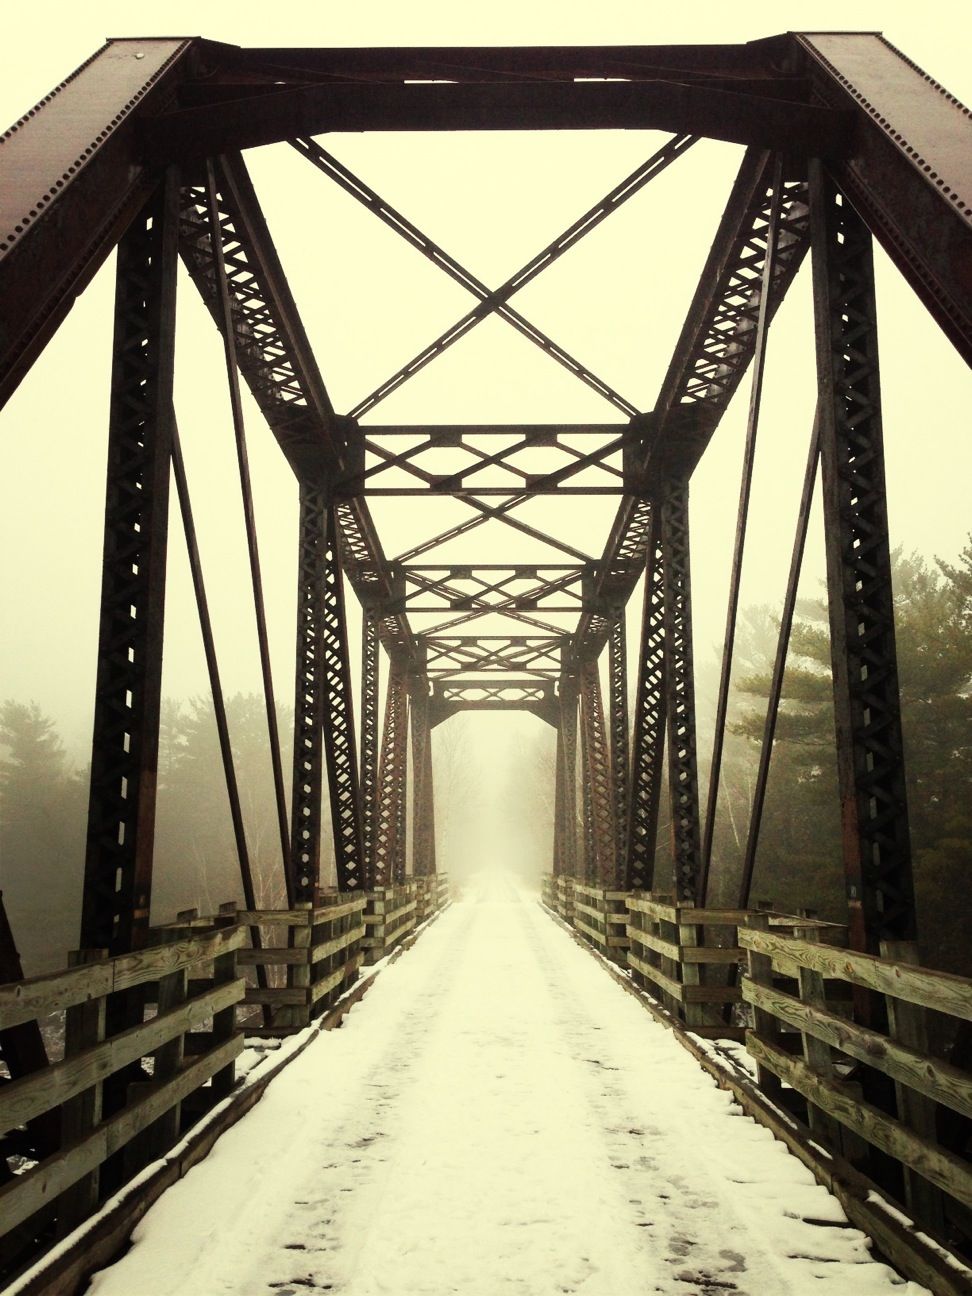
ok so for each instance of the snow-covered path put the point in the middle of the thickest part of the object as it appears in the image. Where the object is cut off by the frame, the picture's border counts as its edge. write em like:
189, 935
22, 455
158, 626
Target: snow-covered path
497, 1116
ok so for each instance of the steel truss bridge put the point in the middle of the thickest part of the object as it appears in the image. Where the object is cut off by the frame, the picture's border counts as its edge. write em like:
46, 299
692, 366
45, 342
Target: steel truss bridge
143, 149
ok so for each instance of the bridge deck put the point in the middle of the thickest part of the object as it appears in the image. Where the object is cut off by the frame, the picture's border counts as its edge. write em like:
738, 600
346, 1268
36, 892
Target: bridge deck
497, 1116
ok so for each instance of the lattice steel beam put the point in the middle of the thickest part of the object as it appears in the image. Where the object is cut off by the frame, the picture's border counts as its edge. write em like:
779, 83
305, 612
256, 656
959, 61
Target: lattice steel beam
710, 359
368, 781
390, 823
534, 695
598, 781
423, 808
450, 655
124, 758
565, 796
870, 759
648, 739
683, 776
618, 678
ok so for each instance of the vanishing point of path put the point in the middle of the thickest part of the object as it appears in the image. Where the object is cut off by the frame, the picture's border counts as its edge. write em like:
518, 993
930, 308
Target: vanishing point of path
497, 1117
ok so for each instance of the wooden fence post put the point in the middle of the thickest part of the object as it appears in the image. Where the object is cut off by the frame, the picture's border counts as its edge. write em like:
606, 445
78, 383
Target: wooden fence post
84, 1027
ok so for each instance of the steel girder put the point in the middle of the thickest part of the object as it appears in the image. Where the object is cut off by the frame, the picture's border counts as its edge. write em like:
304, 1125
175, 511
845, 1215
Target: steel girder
902, 166
565, 791
870, 759
618, 694
683, 777
124, 756
598, 783
648, 738
906, 169
423, 803
72, 178
450, 696
323, 708
711, 357
368, 781
390, 817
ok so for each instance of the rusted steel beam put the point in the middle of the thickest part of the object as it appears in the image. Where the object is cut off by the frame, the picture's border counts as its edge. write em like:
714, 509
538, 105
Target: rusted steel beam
711, 357
870, 756
648, 738
738, 116
598, 782
423, 813
906, 169
390, 821
124, 758
683, 774
72, 178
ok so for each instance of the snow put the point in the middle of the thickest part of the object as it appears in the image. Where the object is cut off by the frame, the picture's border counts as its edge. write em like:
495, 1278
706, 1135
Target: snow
497, 1116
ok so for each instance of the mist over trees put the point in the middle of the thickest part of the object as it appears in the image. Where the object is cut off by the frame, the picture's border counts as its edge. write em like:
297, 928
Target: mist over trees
508, 818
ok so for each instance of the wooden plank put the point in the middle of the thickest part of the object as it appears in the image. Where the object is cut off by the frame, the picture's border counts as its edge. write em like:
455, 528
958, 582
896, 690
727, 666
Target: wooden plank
270, 957
665, 912
940, 991
36, 997
274, 917
276, 995
939, 1167
597, 914
336, 944
938, 1080
666, 983
150, 964
22, 1001
595, 935
326, 984
29, 1192
21, 1100
706, 994
668, 948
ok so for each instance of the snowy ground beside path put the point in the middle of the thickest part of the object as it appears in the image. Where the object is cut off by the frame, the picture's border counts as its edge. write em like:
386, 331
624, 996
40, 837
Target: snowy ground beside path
497, 1118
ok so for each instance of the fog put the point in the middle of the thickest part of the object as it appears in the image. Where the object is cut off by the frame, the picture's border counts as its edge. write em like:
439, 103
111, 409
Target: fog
370, 303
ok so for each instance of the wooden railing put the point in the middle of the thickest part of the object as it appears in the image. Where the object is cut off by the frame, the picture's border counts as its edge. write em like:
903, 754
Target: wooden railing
130, 1080
601, 917
565, 897
310, 956
389, 918
800, 1039
431, 895
689, 957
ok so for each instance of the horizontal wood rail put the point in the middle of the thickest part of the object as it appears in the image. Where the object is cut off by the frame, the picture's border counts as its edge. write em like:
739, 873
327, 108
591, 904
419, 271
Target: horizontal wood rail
149, 1044
394, 911
801, 1039
602, 919
431, 895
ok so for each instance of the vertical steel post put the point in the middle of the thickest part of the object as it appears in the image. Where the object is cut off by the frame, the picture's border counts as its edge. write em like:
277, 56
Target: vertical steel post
323, 708
124, 757
598, 782
308, 760
683, 777
620, 762
566, 801
870, 759
423, 830
648, 739
369, 738
390, 822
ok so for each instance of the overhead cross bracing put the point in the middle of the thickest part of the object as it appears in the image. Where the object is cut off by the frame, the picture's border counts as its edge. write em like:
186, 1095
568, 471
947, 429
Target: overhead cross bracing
444, 607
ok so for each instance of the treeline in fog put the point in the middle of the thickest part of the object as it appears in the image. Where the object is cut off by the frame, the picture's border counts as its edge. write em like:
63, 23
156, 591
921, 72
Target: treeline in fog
43, 795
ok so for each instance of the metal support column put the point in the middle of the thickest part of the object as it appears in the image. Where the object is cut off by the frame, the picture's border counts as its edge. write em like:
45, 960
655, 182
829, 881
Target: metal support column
597, 782
423, 830
620, 762
565, 797
648, 739
323, 709
683, 777
870, 760
124, 758
369, 737
390, 819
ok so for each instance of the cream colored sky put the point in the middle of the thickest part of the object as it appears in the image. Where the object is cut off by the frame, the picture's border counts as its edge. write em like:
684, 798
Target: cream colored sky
492, 201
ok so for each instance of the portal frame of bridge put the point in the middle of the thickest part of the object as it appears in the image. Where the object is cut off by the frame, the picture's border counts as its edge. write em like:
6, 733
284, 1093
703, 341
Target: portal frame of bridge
142, 148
